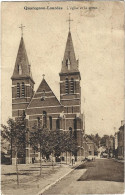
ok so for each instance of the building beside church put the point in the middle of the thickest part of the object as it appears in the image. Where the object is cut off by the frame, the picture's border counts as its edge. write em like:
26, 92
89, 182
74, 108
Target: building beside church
64, 114
119, 141
90, 147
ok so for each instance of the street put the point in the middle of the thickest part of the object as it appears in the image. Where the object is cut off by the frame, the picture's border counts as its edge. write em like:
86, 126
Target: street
102, 176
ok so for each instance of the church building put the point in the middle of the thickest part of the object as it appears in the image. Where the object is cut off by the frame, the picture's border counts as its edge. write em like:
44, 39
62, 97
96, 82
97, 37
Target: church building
64, 114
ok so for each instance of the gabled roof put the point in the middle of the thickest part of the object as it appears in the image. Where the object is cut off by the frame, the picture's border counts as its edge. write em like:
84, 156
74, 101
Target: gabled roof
22, 63
44, 96
88, 140
69, 57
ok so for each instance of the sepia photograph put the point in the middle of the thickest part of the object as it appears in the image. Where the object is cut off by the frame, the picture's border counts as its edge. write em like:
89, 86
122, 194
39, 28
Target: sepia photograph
62, 97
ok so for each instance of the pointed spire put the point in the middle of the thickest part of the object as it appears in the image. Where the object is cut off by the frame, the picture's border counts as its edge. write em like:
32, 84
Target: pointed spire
22, 66
69, 63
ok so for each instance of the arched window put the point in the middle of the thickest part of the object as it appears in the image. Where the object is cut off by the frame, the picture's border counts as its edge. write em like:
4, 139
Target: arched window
70, 130
38, 122
18, 90
75, 127
50, 122
66, 86
72, 86
23, 89
58, 124
24, 114
44, 119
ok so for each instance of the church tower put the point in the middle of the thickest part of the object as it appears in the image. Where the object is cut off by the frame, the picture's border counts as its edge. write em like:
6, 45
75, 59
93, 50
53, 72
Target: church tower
70, 90
70, 94
22, 82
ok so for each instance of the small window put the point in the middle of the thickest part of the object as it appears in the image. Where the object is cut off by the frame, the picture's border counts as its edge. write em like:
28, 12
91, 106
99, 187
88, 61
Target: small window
58, 124
67, 109
24, 115
38, 122
23, 89
75, 128
70, 130
72, 109
19, 69
66, 86
50, 122
43, 96
18, 90
44, 119
68, 63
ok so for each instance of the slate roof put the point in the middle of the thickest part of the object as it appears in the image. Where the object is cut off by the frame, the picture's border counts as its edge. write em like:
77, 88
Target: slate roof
69, 57
22, 60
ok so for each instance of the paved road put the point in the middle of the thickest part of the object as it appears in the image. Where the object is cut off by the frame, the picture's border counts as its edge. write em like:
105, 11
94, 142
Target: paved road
104, 176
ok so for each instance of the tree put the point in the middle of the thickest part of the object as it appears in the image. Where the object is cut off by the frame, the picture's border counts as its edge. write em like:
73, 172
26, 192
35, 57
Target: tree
58, 142
15, 133
104, 140
53, 142
72, 145
95, 138
64, 142
41, 141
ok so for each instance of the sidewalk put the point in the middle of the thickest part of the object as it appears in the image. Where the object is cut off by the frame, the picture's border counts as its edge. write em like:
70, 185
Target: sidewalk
63, 174
30, 181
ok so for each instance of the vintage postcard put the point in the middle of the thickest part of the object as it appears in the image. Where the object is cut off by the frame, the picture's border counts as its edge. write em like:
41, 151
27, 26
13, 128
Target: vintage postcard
62, 98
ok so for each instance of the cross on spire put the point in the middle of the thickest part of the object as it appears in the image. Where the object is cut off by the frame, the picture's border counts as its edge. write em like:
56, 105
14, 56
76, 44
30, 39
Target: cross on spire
21, 27
43, 76
69, 20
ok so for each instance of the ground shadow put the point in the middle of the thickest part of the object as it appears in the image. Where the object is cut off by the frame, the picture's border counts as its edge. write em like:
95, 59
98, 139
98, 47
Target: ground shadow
29, 170
10, 174
84, 166
45, 166
106, 170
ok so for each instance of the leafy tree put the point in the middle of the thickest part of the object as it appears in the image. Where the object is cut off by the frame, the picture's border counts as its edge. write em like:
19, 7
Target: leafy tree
96, 139
64, 142
53, 142
103, 140
41, 140
59, 139
71, 145
15, 133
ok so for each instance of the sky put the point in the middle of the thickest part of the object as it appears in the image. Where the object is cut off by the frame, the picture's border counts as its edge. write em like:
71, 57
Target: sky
98, 36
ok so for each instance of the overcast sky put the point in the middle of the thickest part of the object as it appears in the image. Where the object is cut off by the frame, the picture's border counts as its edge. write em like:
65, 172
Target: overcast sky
98, 39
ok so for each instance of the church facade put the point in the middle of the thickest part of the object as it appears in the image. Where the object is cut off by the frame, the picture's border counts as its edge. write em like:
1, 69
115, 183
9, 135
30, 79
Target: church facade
64, 114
